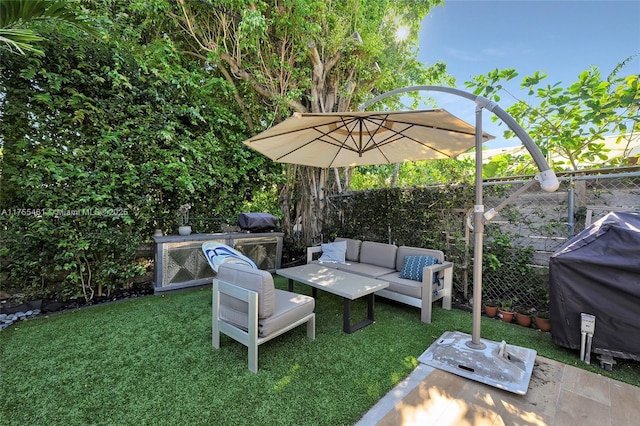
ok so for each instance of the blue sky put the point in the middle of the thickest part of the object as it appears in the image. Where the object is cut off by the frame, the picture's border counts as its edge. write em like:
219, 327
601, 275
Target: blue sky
559, 38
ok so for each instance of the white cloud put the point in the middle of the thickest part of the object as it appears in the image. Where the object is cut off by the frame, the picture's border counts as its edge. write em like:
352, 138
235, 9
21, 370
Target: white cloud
463, 55
493, 52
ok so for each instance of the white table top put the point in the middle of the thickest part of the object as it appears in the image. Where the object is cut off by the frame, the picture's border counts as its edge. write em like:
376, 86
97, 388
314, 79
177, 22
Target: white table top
345, 284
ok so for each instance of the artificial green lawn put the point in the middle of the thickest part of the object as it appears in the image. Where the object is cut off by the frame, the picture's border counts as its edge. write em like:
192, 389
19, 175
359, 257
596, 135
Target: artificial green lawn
150, 361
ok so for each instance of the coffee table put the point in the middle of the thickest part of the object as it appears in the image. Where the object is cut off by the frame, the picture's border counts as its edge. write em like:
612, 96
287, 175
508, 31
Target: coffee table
347, 285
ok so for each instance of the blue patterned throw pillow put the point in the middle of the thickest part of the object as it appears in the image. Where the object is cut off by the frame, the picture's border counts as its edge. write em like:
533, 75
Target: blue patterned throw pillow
413, 265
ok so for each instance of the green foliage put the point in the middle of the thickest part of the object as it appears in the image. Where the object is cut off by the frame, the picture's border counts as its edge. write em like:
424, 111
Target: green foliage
506, 305
309, 56
413, 174
101, 143
503, 257
509, 165
410, 216
569, 121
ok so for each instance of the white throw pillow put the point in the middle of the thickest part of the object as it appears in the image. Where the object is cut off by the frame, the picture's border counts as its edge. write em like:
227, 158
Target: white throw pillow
334, 252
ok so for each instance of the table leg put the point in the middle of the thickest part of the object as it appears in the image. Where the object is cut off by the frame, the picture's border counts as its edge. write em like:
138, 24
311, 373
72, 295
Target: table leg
314, 291
346, 315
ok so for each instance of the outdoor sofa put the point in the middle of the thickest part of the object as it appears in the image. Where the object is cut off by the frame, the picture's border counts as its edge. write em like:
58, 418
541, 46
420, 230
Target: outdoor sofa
416, 276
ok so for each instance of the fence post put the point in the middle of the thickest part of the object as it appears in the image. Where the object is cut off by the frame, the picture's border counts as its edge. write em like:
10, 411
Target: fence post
571, 211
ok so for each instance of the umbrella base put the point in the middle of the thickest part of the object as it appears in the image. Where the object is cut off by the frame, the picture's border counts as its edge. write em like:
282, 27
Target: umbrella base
496, 364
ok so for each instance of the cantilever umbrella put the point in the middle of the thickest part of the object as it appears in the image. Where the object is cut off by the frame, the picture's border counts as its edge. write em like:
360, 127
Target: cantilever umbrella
366, 138
340, 139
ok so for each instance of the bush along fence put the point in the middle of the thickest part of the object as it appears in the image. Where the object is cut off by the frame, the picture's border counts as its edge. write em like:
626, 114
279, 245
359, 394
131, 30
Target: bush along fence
517, 243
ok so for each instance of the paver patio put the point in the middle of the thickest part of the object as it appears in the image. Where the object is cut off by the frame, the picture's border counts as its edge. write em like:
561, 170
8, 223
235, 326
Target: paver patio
558, 394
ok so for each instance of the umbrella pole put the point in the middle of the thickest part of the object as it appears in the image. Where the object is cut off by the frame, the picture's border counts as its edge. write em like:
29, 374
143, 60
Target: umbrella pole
496, 364
478, 232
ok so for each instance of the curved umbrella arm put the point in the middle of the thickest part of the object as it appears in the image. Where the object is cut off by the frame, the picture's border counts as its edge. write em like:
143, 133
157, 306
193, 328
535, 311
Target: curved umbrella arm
547, 178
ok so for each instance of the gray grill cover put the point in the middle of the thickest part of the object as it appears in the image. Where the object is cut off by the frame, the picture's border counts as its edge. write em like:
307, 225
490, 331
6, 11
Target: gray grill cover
257, 222
598, 272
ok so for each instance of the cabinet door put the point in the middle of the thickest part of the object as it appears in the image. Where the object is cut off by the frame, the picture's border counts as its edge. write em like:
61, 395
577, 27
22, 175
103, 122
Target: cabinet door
184, 262
266, 252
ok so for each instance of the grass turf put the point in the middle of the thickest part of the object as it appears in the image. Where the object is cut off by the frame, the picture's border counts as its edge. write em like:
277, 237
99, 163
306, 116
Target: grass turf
150, 361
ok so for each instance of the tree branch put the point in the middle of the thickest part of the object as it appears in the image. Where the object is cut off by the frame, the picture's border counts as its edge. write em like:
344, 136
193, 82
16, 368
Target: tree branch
262, 90
229, 78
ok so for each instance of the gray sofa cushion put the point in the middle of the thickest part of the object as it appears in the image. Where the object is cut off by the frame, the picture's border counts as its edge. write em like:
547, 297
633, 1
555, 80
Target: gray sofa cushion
403, 286
289, 308
353, 249
366, 269
234, 310
379, 254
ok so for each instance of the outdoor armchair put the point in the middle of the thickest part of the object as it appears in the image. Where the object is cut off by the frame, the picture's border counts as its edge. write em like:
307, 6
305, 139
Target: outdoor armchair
249, 309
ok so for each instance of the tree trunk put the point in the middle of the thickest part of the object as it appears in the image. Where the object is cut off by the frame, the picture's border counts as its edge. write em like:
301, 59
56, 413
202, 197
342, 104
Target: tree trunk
394, 178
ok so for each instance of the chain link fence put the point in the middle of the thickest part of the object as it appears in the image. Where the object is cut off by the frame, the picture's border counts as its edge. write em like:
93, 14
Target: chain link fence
518, 242
521, 238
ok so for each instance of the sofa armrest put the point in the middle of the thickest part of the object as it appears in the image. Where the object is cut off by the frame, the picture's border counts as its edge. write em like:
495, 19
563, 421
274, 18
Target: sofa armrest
428, 275
428, 295
439, 267
311, 251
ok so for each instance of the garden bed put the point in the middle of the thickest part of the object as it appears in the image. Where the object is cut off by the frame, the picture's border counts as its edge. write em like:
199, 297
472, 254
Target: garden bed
13, 308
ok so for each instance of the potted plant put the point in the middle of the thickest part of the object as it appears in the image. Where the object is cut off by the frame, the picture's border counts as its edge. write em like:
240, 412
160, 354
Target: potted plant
523, 317
543, 322
506, 312
491, 308
183, 219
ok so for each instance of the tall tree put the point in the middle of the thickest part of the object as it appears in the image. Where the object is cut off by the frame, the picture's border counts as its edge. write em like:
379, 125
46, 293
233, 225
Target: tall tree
309, 56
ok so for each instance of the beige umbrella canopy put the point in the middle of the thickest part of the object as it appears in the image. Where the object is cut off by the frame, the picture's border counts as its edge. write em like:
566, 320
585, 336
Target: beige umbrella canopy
342, 139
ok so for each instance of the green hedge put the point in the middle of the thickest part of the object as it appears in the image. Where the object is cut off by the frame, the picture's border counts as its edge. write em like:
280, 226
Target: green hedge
101, 142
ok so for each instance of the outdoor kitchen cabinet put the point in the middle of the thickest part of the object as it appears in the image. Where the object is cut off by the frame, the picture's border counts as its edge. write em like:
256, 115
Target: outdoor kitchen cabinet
180, 263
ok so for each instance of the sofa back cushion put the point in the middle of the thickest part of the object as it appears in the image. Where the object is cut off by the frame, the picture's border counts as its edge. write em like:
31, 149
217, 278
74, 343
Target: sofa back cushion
404, 251
235, 311
379, 254
353, 249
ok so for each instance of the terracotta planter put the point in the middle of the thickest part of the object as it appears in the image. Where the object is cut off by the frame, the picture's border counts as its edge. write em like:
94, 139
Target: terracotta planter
506, 315
490, 311
544, 324
523, 319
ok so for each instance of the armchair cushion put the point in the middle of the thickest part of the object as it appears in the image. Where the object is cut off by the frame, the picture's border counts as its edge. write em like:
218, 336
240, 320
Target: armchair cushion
235, 311
290, 307
236, 303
